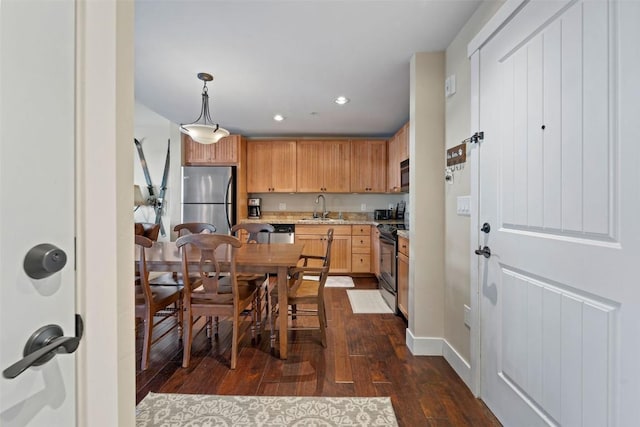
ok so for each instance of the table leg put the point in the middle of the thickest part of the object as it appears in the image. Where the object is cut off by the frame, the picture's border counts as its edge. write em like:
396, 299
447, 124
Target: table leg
283, 317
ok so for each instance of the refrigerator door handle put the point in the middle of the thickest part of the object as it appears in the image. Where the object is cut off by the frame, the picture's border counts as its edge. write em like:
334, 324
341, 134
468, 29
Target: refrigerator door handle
227, 206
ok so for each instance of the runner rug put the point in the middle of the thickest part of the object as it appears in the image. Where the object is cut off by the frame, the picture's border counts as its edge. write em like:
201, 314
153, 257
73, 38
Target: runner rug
335, 281
364, 301
158, 409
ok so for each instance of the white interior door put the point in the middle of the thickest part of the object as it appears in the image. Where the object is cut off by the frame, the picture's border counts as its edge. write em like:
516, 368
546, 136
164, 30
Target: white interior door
37, 191
559, 295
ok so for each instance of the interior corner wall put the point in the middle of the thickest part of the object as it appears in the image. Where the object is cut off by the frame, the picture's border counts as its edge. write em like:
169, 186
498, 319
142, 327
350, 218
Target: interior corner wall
457, 233
154, 131
426, 201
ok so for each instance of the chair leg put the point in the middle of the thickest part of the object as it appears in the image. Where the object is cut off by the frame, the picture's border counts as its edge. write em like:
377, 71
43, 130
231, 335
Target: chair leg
272, 326
146, 346
322, 320
188, 332
234, 340
208, 327
180, 318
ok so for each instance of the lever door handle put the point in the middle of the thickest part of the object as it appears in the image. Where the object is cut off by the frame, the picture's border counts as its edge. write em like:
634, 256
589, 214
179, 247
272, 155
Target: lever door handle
484, 251
43, 345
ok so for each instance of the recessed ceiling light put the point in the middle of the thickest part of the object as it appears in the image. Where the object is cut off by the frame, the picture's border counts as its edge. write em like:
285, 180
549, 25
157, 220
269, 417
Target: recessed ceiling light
278, 117
341, 100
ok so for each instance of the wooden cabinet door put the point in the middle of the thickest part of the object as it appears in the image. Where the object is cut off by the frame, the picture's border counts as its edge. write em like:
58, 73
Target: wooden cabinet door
224, 152
393, 168
259, 166
403, 284
368, 166
341, 254
375, 251
337, 166
403, 142
314, 244
283, 160
310, 173
271, 166
323, 166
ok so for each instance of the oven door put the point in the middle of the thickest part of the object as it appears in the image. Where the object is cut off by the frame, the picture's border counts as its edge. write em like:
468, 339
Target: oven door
388, 265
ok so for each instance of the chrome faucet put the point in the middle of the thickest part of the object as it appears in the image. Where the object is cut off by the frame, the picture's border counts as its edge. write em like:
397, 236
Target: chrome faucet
324, 206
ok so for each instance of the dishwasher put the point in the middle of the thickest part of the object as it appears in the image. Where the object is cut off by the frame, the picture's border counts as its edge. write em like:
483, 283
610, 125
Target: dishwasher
282, 233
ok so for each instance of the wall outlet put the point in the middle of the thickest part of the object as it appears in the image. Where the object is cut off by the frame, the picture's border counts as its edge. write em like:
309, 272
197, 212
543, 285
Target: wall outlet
391, 205
363, 207
282, 206
467, 316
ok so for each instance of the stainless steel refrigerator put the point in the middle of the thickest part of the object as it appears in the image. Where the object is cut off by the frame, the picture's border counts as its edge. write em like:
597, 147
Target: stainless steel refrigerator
208, 195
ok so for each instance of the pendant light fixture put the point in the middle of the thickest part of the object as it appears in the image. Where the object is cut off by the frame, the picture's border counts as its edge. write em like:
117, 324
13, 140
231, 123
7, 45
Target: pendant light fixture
203, 130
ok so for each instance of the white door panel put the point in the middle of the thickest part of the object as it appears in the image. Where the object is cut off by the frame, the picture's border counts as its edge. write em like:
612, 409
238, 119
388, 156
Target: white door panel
37, 189
558, 164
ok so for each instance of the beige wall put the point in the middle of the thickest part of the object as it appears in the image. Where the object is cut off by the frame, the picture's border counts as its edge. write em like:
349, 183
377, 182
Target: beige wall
456, 243
426, 261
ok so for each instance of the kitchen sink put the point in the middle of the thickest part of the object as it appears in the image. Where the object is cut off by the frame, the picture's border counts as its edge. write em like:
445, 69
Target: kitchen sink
322, 220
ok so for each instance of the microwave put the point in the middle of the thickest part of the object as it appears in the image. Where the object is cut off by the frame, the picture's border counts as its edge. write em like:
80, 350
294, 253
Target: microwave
404, 176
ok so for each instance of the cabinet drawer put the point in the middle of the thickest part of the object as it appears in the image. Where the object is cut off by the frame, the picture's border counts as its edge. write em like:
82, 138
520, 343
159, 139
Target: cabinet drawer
360, 230
361, 263
338, 230
361, 244
403, 245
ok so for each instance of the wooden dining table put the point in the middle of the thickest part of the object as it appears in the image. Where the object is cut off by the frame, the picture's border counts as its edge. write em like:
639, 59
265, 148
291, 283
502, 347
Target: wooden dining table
272, 258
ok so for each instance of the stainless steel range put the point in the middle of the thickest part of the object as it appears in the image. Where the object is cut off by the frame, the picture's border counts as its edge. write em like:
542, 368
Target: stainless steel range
388, 280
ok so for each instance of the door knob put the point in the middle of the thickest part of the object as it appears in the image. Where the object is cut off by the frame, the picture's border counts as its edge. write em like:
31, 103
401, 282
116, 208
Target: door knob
486, 228
484, 251
43, 260
43, 345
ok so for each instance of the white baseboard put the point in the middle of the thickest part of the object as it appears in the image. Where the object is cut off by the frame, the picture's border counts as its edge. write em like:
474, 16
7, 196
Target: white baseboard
462, 368
424, 346
429, 346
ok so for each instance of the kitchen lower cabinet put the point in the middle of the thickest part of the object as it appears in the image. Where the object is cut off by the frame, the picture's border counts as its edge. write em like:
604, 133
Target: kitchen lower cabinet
361, 249
403, 276
375, 251
314, 238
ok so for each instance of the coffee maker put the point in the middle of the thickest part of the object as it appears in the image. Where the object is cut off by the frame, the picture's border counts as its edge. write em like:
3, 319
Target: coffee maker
254, 208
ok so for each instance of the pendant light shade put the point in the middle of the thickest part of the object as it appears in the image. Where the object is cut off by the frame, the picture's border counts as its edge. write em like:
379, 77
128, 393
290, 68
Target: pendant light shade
203, 130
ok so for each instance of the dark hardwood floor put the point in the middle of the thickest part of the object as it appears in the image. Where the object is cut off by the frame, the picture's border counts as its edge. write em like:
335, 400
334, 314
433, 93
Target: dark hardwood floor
366, 355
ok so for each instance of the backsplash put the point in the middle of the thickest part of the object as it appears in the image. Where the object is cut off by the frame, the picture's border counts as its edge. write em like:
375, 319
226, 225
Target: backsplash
348, 203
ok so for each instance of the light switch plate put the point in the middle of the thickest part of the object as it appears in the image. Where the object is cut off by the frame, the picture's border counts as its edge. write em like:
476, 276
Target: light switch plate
363, 207
464, 206
450, 85
467, 316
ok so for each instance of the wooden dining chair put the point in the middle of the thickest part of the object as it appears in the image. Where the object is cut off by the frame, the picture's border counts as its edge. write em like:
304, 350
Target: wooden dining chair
215, 293
153, 301
257, 232
194, 228
305, 287
147, 229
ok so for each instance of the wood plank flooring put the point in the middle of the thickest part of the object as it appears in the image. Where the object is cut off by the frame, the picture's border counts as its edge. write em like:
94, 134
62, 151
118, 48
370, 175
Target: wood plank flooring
366, 355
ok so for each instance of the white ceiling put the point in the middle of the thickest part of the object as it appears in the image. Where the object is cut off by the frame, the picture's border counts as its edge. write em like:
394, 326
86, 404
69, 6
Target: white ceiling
289, 57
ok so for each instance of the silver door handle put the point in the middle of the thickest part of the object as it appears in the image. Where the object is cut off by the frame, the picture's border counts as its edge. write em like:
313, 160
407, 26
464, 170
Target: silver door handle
43, 345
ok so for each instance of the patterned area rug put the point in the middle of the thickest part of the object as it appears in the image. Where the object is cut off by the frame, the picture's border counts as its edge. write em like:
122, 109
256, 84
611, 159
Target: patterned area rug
335, 281
195, 410
365, 301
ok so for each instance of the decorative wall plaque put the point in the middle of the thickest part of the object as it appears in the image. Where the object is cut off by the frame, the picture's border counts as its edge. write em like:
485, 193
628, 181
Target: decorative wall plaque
457, 155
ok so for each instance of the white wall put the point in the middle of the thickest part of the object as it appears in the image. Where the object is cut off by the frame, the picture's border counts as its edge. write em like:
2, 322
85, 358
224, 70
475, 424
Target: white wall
426, 260
153, 131
335, 202
456, 246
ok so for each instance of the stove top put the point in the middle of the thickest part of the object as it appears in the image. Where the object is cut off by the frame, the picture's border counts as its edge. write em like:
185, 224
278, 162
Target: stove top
391, 229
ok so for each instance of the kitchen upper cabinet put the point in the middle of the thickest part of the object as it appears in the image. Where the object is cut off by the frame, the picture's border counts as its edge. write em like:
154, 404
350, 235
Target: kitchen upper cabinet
271, 166
398, 150
314, 238
368, 166
323, 166
225, 152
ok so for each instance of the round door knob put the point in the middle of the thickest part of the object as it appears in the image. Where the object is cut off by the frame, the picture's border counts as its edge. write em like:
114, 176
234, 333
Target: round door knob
43, 260
485, 227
